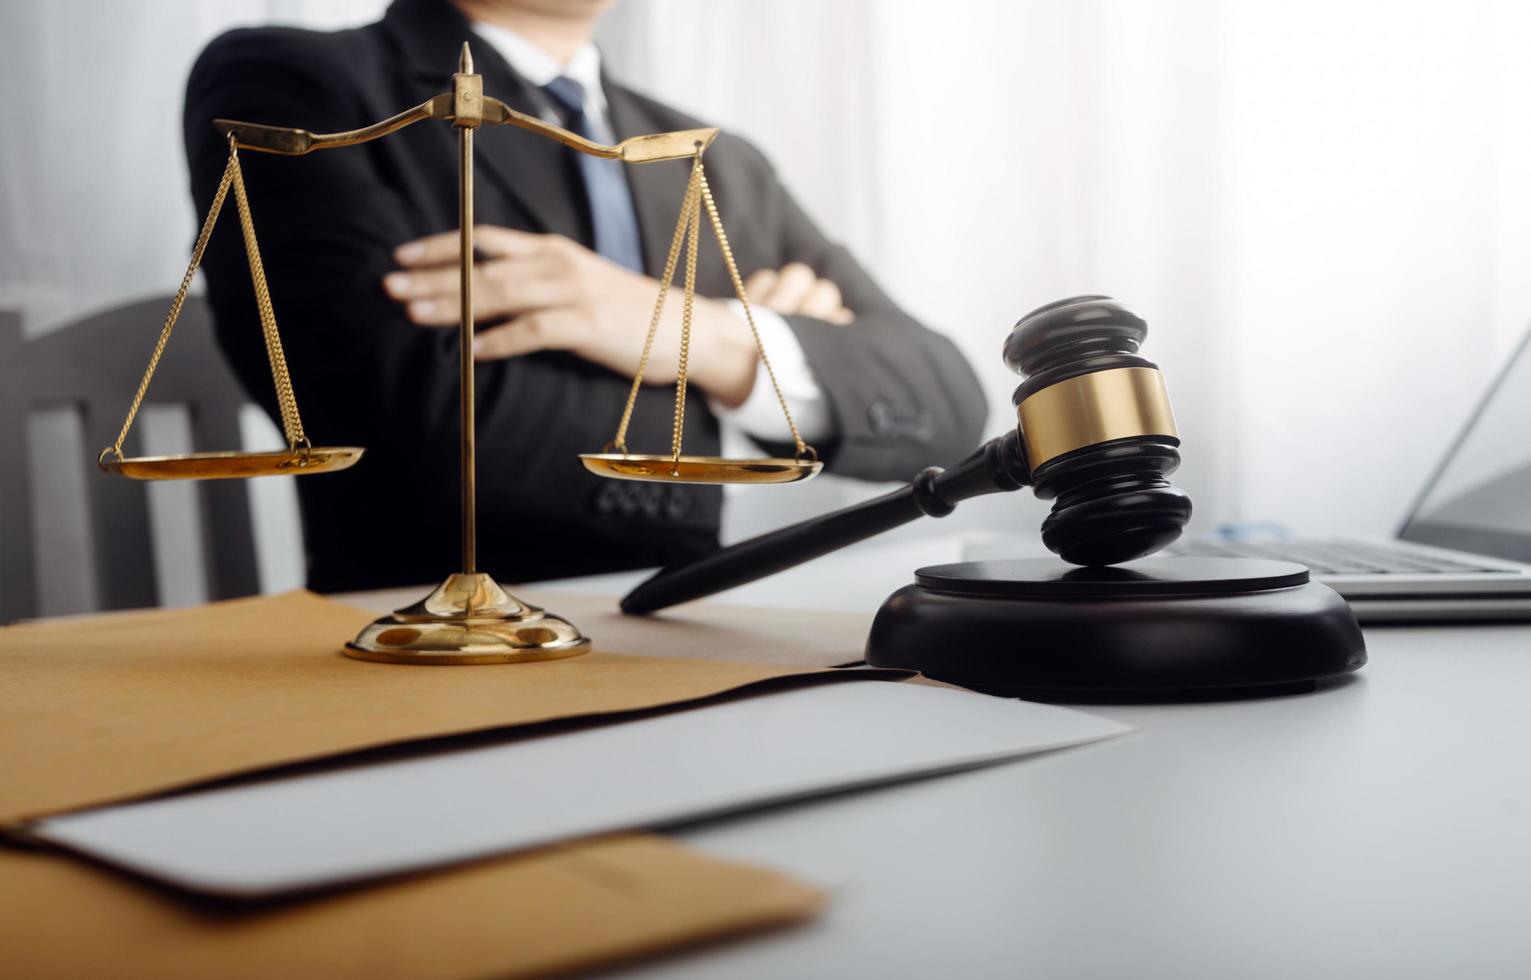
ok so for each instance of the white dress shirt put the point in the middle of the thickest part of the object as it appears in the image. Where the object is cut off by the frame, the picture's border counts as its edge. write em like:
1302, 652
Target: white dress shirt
760, 415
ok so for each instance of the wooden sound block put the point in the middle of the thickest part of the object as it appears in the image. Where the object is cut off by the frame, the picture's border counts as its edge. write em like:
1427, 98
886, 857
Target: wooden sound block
1158, 629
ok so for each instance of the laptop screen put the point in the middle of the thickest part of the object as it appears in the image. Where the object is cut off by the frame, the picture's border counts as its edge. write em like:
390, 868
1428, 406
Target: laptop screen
1479, 499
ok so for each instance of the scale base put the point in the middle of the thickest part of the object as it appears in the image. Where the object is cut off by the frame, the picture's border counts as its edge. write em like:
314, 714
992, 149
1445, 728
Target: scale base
1158, 629
469, 619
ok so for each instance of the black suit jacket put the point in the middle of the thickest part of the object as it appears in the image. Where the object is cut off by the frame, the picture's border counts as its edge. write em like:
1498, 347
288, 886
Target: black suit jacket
902, 397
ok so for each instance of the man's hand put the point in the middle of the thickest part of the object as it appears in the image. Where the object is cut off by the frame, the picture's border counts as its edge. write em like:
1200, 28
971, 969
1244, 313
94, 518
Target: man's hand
795, 290
559, 295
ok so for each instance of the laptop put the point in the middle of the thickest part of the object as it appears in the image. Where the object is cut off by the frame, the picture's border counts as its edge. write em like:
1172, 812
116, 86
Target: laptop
1464, 551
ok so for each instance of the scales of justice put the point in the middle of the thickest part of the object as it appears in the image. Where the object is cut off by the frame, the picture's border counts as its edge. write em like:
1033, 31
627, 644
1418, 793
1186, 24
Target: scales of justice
469, 618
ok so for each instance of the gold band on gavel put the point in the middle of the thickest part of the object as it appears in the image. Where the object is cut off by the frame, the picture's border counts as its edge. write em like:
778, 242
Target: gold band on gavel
1094, 408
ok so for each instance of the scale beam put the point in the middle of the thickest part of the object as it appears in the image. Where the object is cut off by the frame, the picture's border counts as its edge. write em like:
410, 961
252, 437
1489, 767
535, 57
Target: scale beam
679, 145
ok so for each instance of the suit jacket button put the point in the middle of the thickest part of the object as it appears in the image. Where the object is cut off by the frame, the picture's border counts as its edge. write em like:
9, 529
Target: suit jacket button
921, 430
604, 501
677, 502
628, 495
649, 501
880, 417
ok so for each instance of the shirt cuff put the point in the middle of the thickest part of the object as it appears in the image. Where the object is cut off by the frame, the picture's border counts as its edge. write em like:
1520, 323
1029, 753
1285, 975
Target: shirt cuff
760, 415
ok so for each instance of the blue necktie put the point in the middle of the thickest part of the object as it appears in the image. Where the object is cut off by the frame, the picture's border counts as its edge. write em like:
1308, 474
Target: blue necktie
612, 216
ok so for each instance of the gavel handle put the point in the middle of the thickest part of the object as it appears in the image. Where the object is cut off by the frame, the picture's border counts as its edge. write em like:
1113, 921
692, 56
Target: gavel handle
998, 466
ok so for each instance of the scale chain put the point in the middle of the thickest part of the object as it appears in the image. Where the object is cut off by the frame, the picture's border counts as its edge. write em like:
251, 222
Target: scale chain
176, 304
688, 303
681, 224
802, 447
292, 424
688, 231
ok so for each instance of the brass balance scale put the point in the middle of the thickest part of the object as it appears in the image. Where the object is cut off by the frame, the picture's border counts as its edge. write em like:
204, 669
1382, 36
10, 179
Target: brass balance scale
469, 618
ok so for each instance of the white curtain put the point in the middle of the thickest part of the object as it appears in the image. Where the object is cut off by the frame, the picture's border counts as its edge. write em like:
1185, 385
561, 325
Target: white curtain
1323, 208
94, 199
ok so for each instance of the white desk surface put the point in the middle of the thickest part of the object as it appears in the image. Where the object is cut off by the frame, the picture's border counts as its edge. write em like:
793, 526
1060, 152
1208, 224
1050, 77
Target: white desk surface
1378, 828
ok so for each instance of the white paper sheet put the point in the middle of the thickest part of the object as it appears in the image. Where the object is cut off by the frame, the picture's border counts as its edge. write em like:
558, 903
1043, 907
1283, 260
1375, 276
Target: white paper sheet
324, 828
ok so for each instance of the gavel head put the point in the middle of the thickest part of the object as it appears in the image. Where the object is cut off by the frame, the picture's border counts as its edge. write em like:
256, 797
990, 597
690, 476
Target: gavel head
1098, 433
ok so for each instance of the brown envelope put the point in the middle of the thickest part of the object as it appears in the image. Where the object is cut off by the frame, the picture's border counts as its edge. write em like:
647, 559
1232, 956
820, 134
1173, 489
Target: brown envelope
119, 706
112, 707
548, 911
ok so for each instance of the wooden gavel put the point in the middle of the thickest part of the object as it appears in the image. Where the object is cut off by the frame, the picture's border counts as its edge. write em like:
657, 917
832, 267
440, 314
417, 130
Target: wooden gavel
1094, 434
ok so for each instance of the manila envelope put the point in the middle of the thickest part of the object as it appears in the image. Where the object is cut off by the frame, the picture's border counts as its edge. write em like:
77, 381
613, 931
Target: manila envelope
548, 911
113, 707
126, 705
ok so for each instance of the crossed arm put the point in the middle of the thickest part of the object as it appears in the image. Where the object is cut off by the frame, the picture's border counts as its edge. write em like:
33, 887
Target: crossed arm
558, 295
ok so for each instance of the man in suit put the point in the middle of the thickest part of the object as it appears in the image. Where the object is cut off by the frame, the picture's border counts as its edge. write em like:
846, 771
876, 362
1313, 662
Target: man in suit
360, 252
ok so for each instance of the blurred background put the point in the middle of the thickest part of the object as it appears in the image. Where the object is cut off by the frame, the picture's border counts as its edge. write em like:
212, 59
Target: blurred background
1322, 208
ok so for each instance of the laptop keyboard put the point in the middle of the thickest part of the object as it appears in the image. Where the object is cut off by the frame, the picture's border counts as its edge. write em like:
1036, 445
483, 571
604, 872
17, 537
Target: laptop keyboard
1338, 557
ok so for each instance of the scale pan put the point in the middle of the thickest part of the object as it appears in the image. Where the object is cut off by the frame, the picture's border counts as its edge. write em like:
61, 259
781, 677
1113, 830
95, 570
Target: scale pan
665, 468
234, 466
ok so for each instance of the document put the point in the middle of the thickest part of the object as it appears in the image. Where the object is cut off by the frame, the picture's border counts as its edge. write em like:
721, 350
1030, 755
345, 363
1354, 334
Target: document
319, 829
